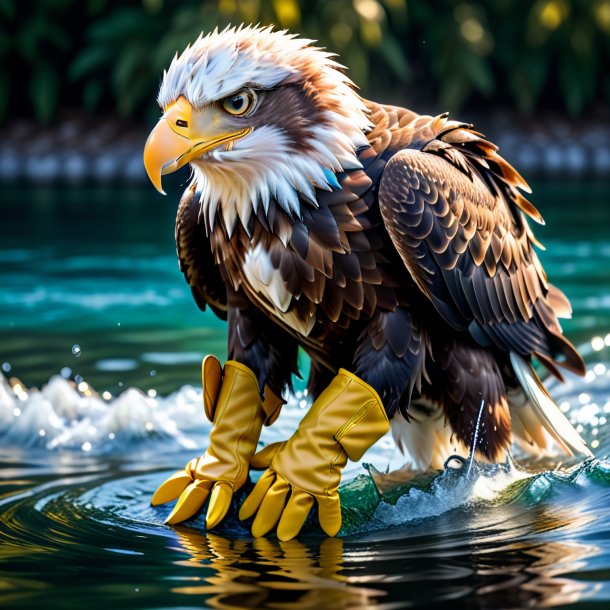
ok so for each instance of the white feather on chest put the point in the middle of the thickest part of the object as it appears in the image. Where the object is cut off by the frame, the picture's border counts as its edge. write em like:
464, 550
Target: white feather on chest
266, 281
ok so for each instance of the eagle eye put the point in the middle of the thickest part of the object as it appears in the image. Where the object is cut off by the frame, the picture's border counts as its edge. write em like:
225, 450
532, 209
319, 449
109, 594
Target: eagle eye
181, 123
239, 103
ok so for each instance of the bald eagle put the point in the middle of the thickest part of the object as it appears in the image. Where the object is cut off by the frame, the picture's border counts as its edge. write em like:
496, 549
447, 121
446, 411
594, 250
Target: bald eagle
392, 245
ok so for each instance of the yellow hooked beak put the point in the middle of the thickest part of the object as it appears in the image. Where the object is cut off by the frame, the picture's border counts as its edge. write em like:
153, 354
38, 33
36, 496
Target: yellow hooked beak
178, 139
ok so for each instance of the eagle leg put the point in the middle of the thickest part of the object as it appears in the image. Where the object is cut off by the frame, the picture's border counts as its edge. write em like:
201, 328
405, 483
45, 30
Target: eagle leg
261, 345
391, 356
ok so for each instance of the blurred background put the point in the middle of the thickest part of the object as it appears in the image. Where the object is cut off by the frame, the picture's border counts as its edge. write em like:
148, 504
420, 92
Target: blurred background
89, 281
107, 56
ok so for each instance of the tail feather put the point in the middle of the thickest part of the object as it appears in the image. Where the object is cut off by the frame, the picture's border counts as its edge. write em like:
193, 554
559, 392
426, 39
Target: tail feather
527, 429
541, 415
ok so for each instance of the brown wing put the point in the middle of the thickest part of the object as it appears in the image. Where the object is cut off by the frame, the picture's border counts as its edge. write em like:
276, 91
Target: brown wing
195, 256
451, 208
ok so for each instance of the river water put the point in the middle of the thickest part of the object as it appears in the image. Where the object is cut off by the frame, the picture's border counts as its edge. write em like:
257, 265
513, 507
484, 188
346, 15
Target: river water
100, 345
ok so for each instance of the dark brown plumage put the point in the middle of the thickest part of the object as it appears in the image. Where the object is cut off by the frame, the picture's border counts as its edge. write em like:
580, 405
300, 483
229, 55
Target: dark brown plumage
419, 275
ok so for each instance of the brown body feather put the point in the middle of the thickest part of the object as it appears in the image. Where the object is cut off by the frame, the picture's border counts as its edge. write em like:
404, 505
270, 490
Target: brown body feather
418, 274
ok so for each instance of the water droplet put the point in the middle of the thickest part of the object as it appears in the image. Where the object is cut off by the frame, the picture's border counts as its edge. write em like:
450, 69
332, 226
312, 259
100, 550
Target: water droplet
86, 446
16, 411
303, 404
42, 432
152, 393
599, 369
6, 367
120, 384
106, 395
149, 426
152, 373
118, 323
78, 378
111, 436
597, 343
76, 351
66, 372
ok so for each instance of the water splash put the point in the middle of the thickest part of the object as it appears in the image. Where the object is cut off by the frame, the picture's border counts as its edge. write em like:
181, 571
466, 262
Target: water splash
65, 414
475, 438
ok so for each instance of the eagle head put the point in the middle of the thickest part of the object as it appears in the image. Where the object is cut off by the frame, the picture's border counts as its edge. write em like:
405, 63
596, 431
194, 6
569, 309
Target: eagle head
260, 115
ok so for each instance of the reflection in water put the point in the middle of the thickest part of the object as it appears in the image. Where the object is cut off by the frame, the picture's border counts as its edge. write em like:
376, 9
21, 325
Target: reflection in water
268, 573
396, 569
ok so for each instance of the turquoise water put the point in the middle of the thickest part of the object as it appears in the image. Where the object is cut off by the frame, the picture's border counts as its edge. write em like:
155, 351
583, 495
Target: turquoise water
100, 345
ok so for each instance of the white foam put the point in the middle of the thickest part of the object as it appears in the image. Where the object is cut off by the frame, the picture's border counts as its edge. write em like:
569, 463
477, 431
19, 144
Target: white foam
59, 416
450, 490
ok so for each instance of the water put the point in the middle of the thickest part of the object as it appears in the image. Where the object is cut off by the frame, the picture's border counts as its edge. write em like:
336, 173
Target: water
95, 314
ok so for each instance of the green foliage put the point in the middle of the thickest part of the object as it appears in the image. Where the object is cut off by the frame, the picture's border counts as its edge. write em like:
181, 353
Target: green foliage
29, 42
531, 54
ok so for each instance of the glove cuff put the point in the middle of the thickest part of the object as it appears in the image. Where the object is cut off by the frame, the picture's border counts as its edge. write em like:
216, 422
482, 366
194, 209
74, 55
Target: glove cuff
367, 424
214, 378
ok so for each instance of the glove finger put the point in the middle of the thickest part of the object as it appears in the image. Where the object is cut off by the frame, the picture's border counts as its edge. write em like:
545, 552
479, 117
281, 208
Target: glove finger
220, 502
271, 508
262, 459
329, 513
254, 499
190, 501
171, 488
294, 515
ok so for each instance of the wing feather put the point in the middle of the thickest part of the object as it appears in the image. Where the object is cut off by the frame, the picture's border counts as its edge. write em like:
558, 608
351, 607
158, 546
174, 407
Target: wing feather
464, 239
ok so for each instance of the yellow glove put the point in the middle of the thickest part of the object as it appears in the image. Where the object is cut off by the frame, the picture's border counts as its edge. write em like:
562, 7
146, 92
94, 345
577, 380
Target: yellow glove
232, 402
345, 420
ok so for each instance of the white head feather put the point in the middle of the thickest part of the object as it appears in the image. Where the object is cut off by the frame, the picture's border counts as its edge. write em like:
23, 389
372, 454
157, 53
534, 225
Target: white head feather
265, 165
